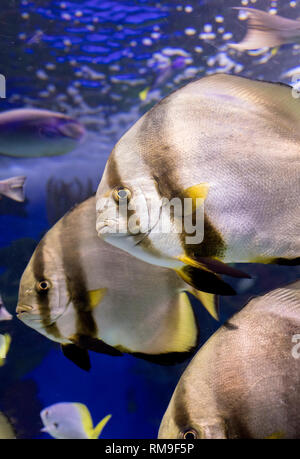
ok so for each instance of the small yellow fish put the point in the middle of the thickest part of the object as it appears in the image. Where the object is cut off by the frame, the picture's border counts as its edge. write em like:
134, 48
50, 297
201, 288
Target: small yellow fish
67, 421
144, 94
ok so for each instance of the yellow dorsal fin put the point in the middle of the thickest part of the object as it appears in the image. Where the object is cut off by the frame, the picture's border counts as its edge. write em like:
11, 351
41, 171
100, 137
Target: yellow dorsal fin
208, 300
96, 296
98, 429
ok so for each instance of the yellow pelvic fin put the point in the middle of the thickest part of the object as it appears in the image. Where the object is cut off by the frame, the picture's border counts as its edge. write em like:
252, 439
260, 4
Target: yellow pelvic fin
144, 94
208, 300
98, 429
96, 296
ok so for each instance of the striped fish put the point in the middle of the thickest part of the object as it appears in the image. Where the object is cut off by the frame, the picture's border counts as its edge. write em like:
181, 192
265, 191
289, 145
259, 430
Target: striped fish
226, 141
252, 389
267, 30
89, 296
71, 421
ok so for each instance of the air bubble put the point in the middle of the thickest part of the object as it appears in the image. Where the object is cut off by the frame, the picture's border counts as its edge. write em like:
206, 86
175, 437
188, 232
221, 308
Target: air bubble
190, 31
219, 19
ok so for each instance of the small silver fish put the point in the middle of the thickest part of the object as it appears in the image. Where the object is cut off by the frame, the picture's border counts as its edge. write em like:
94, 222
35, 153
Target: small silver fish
267, 30
244, 382
68, 421
4, 314
33, 132
13, 188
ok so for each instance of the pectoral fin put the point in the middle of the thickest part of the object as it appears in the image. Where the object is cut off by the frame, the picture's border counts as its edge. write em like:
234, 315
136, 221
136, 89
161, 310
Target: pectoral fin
197, 193
77, 355
95, 345
96, 296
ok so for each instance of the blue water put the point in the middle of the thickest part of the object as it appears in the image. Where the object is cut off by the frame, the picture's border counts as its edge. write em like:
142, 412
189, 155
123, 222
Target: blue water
91, 59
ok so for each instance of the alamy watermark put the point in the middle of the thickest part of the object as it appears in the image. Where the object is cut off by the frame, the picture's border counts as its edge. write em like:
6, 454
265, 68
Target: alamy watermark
178, 215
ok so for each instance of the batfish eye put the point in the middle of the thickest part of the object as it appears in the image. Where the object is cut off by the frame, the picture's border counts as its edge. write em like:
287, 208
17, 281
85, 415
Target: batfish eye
56, 425
120, 194
43, 286
190, 434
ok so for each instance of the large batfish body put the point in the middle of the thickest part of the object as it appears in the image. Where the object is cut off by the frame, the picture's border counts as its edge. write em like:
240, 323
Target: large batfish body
87, 295
233, 142
244, 382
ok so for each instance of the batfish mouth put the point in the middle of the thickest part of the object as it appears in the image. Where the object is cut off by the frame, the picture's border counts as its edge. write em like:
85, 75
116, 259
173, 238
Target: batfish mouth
23, 308
26, 313
105, 228
147, 234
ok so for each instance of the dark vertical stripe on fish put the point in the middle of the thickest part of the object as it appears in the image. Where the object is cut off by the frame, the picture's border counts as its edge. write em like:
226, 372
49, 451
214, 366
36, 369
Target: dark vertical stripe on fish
155, 129
43, 296
76, 281
181, 415
114, 180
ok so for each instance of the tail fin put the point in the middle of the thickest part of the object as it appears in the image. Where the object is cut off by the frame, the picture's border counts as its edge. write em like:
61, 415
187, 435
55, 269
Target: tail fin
266, 30
14, 188
98, 429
